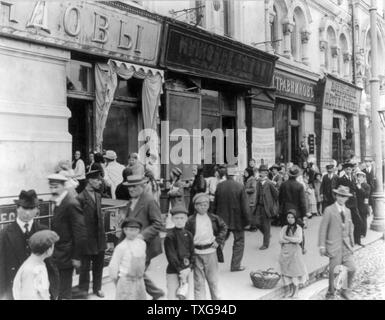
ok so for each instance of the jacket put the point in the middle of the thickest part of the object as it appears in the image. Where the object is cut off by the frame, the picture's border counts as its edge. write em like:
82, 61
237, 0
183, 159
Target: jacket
68, 223
147, 211
13, 252
270, 197
231, 205
219, 231
333, 234
251, 188
94, 222
326, 189
292, 196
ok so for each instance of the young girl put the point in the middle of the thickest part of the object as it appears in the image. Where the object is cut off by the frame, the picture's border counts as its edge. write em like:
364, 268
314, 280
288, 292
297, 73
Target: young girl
293, 268
31, 280
128, 263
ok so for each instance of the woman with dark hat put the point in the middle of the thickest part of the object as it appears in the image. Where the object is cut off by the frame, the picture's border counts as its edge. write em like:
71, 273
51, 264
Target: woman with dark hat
199, 185
250, 188
176, 193
276, 176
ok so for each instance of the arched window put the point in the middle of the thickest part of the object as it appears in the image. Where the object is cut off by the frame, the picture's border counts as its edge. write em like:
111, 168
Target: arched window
274, 31
343, 61
296, 36
331, 42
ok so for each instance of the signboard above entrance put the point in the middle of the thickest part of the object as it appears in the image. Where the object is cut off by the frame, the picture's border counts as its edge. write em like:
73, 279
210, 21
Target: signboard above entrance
207, 55
341, 96
83, 26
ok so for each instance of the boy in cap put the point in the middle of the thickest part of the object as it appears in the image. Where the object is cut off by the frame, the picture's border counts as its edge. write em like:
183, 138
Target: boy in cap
31, 280
209, 232
128, 263
179, 249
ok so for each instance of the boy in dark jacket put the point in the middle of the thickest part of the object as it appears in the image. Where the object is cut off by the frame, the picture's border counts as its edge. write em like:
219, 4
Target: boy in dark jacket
209, 233
179, 248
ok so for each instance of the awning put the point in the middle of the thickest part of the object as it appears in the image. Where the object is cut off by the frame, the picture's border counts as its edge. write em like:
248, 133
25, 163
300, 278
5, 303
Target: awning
136, 68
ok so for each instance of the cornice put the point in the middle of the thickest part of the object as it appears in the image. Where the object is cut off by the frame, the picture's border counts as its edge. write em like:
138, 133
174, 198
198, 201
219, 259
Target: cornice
288, 66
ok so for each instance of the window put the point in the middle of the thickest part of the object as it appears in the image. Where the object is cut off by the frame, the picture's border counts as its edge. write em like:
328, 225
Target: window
274, 31
80, 77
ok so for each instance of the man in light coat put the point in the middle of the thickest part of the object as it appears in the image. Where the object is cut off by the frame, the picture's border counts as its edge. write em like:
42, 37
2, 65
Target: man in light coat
336, 239
112, 172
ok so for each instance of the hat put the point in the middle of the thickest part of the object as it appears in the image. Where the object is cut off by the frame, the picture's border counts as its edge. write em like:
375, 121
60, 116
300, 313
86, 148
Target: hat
348, 165
178, 209
110, 154
57, 178
131, 222
275, 166
343, 191
199, 197
176, 171
294, 171
329, 166
42, 240
27, 199
134, 180
263, 167
292, 211
360, 172
93, 174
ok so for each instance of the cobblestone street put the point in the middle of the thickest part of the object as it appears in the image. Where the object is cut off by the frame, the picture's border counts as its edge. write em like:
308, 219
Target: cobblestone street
369, 282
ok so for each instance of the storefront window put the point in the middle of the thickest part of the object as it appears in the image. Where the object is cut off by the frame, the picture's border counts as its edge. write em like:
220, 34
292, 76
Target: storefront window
131, 88
80, 77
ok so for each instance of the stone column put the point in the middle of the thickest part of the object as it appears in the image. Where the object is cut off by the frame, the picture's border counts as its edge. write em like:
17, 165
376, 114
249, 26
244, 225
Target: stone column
287, 31
322, 47
335, 51
305, 36
346, 65
326, 139
34, 117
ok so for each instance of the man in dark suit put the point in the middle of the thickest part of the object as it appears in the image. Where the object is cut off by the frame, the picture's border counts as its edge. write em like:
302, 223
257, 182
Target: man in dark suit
348, 180
68, 223
231, 205
143, 207
267, 197
370, 178
14, 248
328, 184
336, 239
91, 203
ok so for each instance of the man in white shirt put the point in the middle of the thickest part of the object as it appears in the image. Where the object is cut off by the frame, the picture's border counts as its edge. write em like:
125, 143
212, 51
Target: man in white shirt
112, 172
79, 172
336, 239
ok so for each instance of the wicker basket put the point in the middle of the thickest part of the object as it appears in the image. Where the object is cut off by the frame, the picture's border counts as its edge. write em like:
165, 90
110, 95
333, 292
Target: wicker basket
265, 279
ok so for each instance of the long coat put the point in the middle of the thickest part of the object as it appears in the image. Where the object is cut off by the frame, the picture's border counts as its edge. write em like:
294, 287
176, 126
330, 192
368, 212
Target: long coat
292, 196
326, 189
13, 252
231, 204
68, 223
147, 211
333, 234
270, 197
251, 188
94, 222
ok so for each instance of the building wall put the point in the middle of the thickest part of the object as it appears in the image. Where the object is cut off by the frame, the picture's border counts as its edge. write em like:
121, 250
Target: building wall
33, 115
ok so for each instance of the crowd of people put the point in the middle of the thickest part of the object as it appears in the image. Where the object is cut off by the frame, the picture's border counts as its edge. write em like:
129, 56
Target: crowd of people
36, 263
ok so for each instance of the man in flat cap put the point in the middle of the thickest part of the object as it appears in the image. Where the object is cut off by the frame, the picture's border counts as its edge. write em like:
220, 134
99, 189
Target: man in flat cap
328, 184
68, 223
231, 205
144, 207
14, 247
91, 202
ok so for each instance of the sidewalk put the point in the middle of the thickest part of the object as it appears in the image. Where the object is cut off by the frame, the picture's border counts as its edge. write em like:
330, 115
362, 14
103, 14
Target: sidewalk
237, 285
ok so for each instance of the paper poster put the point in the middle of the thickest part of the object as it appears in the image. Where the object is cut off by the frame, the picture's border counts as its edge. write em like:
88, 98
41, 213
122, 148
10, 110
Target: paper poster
263, 146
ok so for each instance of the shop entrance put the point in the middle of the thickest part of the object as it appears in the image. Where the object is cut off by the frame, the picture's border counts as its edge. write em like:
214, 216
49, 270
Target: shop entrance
80, 126
342, 144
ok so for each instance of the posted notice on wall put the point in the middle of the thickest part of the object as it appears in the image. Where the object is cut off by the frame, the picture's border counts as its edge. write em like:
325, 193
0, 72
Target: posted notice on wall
263, 146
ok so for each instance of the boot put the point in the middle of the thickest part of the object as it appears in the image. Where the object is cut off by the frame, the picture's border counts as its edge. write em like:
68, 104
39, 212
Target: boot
295, 292
289, 292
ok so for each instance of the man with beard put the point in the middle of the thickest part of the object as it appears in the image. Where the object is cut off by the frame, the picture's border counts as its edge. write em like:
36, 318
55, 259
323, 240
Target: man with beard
91, 203
14, 247
68, 223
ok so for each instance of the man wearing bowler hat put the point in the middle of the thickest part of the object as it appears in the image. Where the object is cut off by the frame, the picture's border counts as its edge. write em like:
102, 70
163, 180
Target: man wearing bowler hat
91, 203
328, 184
14, 247
336, 239
144, 207
68, 223
348, 180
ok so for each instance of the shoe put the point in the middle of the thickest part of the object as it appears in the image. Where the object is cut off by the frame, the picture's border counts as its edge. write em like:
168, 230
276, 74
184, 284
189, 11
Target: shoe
99, 293
294, 295
263, 247
241, 268
330, 295
157, 297
346, 295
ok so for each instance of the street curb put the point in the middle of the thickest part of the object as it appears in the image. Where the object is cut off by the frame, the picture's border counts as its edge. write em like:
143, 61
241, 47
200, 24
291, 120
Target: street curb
314, 276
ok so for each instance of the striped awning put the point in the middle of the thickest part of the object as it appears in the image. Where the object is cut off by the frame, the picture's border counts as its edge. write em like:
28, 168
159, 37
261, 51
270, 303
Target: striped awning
137, 68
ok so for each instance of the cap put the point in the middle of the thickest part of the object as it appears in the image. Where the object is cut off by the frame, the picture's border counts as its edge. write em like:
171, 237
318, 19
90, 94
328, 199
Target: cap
131, 222
56, 178
178, 209
93, 174
200, 197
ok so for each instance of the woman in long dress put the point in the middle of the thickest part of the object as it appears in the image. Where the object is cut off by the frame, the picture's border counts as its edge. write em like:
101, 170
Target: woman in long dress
293, 268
